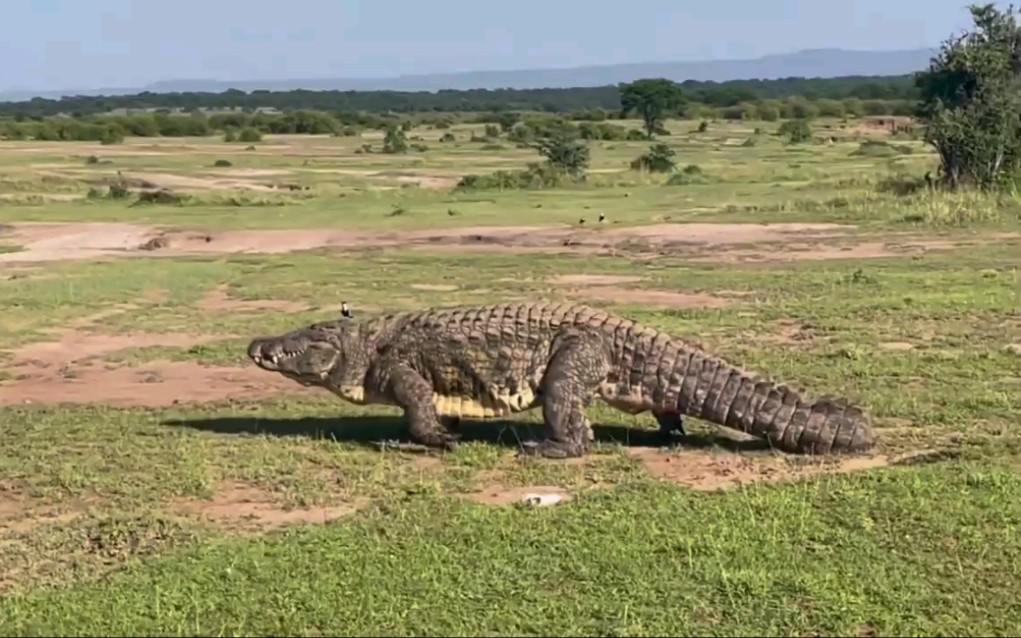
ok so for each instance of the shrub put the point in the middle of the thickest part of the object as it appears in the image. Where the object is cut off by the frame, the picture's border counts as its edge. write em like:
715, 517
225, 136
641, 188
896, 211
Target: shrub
796, 131
249, 135
658, 159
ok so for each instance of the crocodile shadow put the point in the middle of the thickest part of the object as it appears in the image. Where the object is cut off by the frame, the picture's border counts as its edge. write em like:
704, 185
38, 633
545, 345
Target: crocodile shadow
371, 430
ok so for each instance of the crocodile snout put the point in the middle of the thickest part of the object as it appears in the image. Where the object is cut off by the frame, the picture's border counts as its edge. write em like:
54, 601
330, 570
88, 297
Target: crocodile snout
268, 353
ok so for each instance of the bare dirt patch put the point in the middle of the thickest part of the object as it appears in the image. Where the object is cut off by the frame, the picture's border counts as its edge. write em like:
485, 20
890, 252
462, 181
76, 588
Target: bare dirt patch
697, 242
252, 172
435, 287
239, 506
703, 471
789, 332
71, 370
654, 298
592, 280
155, 384
897, 346
188, 182
497, 494
218, 300
72, 241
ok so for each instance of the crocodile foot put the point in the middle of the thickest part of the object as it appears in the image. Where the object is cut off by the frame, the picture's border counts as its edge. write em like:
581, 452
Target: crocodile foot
549, 449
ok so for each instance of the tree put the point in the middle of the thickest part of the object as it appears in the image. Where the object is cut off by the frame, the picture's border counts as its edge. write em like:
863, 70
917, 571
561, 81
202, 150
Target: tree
395, 141
565, 152
796, 131
652, 99
970, 101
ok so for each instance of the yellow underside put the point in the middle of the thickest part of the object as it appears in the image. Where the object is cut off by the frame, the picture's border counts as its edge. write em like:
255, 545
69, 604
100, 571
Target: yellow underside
464, 407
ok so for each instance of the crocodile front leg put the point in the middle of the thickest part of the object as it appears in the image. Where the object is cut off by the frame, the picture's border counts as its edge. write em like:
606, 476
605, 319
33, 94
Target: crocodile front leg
414, 395
578, 365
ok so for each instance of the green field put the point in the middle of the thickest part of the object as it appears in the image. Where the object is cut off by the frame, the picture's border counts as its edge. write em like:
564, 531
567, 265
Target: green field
153, 482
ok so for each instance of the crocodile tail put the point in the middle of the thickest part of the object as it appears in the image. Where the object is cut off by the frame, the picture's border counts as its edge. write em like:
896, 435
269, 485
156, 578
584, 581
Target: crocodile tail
725, 395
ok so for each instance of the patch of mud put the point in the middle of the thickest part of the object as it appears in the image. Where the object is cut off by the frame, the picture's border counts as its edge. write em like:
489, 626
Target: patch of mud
652, 298
592, 280
218, 300
703, 471
237, 505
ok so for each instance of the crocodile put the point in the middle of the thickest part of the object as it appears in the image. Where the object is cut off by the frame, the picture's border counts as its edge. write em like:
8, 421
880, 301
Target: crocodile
444, 364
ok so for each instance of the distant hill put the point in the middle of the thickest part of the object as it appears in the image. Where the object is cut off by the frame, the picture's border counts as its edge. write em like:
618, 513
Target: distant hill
821, 63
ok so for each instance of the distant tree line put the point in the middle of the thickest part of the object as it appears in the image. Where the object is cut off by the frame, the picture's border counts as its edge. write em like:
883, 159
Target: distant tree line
243, 126
875, 89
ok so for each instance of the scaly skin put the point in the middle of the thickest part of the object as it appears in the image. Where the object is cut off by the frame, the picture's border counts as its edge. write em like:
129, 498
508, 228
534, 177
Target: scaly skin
442, 365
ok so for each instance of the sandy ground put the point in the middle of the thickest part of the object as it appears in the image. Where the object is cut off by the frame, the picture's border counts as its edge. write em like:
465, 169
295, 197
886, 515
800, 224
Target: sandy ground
699, 242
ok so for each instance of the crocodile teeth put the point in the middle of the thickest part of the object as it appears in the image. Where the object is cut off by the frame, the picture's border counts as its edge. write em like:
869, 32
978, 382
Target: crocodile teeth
274, 358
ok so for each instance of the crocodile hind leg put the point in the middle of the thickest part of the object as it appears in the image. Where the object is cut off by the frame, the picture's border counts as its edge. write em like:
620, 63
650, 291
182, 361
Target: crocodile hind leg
671, 426
578, 365
414, 395
450, 423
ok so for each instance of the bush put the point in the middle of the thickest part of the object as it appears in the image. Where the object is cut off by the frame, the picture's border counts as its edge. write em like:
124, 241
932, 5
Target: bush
659, 159
603, 131
880, 148
448, 137
222, 163
796, 131
249, 135
536, 176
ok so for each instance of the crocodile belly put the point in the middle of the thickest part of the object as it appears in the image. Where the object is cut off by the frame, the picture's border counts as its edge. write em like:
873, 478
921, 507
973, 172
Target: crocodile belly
487, 406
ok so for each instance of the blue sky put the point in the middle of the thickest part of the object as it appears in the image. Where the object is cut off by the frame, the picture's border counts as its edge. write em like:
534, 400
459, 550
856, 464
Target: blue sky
62, 44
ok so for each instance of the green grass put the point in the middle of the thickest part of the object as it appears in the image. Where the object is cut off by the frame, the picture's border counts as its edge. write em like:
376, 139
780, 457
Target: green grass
913, 551
96, 538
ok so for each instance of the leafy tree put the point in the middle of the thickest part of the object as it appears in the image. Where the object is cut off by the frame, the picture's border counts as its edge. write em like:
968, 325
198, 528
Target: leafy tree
971, 101
652, 99
395, 141
565, 152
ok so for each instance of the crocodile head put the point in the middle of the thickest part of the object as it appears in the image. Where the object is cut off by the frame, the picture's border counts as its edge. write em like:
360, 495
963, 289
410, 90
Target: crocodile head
311, 355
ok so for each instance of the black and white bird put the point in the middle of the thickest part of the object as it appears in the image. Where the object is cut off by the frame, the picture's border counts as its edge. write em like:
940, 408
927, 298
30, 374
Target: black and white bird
345, 311
602, 217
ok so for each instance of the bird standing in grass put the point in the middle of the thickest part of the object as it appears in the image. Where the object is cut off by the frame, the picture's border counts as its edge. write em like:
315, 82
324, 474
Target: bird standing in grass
345, 311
